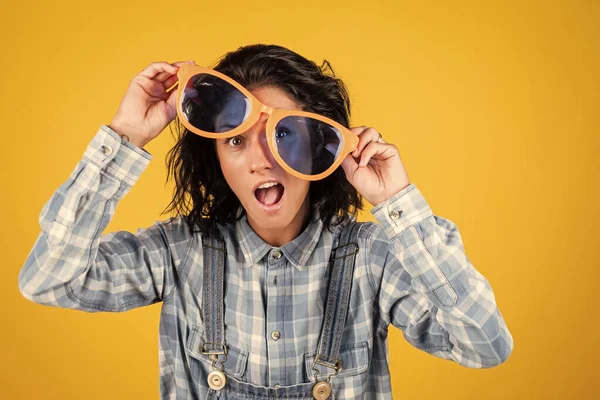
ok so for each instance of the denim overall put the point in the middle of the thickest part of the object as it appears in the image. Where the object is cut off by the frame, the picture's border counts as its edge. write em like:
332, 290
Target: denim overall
340, 286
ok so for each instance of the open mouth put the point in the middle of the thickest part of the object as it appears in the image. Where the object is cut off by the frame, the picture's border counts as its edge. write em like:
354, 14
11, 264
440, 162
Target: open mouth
270, 195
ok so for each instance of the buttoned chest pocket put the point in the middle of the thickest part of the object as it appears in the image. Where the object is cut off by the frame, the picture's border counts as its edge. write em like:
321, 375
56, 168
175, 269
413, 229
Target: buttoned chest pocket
202, 364
355, 362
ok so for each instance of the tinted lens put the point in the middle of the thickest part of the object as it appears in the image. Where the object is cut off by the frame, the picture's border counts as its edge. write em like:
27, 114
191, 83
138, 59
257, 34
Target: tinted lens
307, 145
213, 105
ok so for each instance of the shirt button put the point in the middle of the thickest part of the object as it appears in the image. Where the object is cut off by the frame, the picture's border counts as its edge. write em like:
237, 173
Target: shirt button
107, 150
275, 335
395, 214
277, 255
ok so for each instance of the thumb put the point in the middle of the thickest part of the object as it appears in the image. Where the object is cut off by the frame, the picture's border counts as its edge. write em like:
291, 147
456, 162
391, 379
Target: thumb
172, 104
349, 165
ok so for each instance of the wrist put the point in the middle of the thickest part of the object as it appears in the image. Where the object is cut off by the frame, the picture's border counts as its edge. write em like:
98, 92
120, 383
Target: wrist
394, 192
127, 134
134, 141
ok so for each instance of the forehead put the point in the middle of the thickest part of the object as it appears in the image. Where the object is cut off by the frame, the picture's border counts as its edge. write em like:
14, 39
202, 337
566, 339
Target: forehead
275, 97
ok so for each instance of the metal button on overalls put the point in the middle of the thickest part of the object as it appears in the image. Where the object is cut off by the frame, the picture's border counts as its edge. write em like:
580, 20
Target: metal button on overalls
321, 391
216, 380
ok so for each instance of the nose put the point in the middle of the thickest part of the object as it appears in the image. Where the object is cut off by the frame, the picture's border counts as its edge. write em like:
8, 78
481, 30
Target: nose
261, 157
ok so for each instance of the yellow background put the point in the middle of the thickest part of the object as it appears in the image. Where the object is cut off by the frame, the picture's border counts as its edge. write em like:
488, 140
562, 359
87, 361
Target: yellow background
493, 105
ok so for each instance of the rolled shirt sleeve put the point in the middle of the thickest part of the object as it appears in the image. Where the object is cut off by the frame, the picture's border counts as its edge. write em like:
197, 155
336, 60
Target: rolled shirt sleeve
428, 287
72, 264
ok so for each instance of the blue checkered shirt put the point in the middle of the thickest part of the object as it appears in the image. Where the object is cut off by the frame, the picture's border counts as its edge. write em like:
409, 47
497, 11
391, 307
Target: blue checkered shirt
411, 272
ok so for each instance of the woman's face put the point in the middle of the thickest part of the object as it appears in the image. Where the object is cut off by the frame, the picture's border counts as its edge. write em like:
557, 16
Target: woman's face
278, 213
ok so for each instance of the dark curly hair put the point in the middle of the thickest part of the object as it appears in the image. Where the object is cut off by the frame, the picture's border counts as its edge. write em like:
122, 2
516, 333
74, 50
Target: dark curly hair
201, 194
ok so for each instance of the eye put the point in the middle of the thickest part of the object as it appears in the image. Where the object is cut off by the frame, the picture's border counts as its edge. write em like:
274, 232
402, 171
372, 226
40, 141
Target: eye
234, 141
281, 132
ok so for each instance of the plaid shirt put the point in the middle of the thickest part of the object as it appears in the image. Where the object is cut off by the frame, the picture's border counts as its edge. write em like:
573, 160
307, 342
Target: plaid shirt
411, 272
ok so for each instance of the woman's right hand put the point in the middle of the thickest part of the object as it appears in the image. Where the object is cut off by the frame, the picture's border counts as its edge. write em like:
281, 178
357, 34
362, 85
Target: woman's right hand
147, 108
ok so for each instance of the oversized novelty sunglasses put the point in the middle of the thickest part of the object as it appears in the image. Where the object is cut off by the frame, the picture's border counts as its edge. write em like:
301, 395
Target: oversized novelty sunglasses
307, 145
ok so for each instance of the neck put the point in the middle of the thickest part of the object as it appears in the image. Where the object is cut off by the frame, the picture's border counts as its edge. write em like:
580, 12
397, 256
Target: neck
278, 237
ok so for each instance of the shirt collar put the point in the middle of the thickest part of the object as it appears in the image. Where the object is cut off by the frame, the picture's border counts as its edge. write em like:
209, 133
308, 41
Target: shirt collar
298, 251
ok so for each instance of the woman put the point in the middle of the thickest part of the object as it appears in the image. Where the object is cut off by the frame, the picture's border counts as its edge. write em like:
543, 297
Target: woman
270, 288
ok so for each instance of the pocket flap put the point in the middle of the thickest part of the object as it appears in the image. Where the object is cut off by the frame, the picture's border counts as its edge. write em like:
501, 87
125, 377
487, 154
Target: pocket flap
354, 356
235, 363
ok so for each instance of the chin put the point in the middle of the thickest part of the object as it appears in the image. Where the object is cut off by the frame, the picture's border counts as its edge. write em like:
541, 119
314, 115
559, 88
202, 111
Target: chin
271, 225
272, 220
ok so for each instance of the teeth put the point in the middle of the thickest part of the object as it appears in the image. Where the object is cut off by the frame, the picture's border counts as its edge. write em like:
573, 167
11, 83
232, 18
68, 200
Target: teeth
267, 185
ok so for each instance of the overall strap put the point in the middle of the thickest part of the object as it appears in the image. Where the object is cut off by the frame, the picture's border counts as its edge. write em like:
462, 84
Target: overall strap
342, 261
213, 277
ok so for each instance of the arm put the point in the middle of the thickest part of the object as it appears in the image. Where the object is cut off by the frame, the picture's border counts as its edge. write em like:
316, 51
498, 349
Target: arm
428, 288
73, 265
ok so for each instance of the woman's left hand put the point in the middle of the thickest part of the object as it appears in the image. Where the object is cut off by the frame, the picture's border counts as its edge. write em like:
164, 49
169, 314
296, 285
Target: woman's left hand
374, 168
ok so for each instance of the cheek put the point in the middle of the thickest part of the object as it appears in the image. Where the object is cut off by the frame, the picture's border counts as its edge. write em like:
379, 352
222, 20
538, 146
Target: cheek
230, 169
300, 189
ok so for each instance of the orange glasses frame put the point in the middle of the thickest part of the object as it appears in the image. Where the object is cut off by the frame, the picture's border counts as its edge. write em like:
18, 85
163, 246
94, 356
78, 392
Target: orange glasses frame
349, 139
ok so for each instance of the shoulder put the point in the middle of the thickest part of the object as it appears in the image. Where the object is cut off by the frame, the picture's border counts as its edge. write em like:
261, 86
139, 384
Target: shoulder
177, 234
367, 231
175, 227
372, 240
375, 246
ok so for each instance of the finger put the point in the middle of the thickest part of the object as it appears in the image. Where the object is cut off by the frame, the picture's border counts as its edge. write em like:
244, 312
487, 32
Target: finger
170, 82
357, 130
367, 136
153, 89
379, 151
180, 63
163, 76
364, 135
168, 74
154, 69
